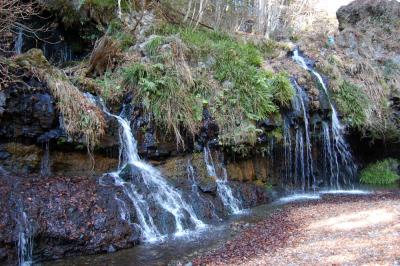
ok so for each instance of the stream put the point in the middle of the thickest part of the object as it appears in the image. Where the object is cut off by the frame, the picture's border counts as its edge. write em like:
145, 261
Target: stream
176, 250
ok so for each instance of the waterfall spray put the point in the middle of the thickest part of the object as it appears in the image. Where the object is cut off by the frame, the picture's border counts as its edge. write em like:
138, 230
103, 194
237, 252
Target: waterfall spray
338, 151
224, 191
155, 187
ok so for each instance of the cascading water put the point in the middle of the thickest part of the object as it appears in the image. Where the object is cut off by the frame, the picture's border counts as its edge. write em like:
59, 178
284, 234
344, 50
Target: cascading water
298, 161
153, 190
287, 142
19, 42
300, 173
66, 53
45, 169
331, 165
224, 191
25, 241
191, 176
196, 197
119, 9
301, 99
338, 154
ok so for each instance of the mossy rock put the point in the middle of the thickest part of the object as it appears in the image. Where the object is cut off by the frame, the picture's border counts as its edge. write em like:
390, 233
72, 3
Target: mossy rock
33, 57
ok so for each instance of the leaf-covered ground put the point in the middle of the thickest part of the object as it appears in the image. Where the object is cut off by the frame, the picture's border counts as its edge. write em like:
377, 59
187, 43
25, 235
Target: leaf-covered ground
338, 230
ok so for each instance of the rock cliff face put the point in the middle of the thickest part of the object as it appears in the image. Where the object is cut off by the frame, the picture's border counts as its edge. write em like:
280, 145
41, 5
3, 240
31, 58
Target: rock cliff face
66, 216
78, 215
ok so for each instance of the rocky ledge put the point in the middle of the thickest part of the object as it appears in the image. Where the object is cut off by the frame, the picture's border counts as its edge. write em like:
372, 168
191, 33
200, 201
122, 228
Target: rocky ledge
79, 215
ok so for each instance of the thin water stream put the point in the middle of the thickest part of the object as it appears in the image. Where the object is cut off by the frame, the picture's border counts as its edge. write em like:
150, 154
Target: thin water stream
19, 42
224, 191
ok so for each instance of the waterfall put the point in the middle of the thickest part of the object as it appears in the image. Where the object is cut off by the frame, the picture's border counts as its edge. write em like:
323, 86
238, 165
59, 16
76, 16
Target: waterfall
45, 169
66, 53
340, 150
299, 169
25, 241
287, 142
119, 9
196, 197
331, 165
191, 176
301, 98
300, 173
19, 42
150, 188
223, 189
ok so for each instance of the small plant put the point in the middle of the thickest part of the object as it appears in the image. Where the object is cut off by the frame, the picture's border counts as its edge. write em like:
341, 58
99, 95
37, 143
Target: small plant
282, 89
353, 104
165, 96
381, 173
116, 32
111, 89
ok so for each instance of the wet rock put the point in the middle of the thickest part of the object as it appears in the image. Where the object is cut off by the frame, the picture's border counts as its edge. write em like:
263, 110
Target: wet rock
208, 185
69, 216
209, 130
26, 159
2, 102
130, 173
268, 124
111, 249
4, 155
27, 113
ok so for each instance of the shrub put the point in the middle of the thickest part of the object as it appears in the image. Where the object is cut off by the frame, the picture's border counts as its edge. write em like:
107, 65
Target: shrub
381, 172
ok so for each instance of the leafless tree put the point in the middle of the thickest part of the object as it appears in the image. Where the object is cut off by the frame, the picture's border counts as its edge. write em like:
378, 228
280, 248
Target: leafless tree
265, 16
12, 12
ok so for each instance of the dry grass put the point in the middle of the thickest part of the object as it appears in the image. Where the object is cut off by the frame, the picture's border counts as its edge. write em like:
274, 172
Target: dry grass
81, 117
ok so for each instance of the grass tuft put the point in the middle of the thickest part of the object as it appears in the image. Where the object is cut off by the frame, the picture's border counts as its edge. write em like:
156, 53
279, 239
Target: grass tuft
189, 68
381, 173
353, 104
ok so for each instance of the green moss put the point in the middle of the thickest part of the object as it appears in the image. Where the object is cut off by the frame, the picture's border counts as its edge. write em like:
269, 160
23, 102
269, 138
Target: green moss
352, 103
381, 172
